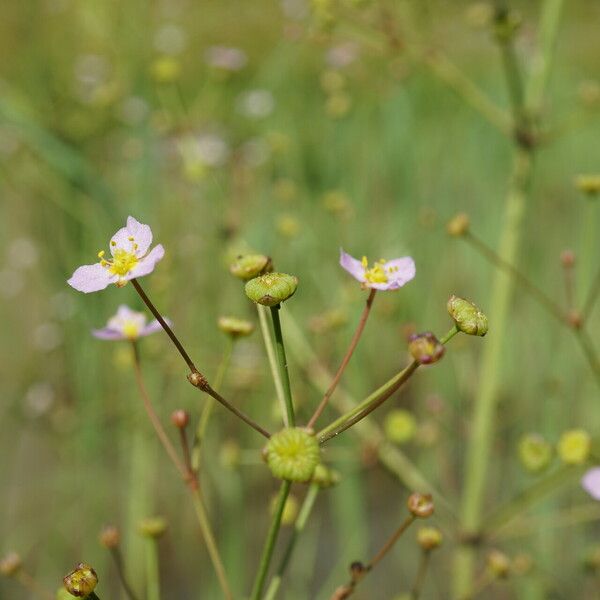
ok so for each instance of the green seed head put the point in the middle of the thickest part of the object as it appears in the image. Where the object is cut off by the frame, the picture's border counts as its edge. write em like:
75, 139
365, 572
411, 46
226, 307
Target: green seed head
400, 426
152, 527
325, 477
82, 581
588, 184
574, 446
535, 452
467, 317
271, 289
429, 538
498, 564
458, 225
292, 454
235, 327
248, 266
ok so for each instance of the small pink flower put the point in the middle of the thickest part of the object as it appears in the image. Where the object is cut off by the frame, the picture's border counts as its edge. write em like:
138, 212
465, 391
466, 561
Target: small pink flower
130, 259
590, 482
383, 275
127, 324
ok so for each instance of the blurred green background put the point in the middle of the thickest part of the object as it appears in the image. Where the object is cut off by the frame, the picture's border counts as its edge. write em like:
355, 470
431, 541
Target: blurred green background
233, 126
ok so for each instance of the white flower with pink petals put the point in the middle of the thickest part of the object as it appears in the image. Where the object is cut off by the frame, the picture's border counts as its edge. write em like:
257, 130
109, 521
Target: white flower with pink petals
130, 259
382, 275
127, 324
591, 482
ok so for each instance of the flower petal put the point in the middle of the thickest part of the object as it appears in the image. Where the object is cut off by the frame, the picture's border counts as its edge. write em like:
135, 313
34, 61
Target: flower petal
146, 265
106, 333
403, 271
591, 482
91, 278
353, 266
141, 233
121, 241
154, 326
126, 317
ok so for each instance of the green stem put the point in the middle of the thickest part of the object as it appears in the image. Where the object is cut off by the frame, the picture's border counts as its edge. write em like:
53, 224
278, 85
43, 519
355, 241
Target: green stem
210, 404
269, 547
283, 368
210, 542
265, 329
152, 570
375, 399
537, 492
118, 560
421, 574
480, 444
305, 510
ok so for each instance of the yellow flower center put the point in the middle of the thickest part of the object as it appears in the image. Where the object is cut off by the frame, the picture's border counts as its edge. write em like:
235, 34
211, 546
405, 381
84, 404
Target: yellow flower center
122, 261
131, 330
377, 273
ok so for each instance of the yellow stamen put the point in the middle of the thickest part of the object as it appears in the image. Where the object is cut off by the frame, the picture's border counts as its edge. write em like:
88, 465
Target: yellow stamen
377, 273
131, 330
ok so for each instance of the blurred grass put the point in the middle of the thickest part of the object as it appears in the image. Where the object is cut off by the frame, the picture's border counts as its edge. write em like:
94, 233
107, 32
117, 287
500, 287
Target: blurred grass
406, 157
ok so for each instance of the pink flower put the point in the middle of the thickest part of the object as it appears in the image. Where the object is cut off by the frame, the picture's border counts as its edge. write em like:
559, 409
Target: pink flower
130, 259
383, 275
127, 324
591, 482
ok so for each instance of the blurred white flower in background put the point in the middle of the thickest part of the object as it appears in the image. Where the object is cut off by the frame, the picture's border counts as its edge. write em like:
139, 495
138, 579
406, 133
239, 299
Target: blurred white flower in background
38, 399
295, 9
47, 337
133, 110
22, 253
170, 39
63, 305
256, 104
342, 55
225, 58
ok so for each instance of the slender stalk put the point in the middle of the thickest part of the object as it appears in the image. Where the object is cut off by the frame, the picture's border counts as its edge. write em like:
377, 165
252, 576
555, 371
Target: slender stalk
591, 298
265, 329
154, 419
152, 570
532, 495
211, 544
349, 352
164, 325
389, 544
569, 274
480, 444
269, 547
283, 368
421, 574
305, 510
29, 582
375, 399
188, 477
118, 560
210, 404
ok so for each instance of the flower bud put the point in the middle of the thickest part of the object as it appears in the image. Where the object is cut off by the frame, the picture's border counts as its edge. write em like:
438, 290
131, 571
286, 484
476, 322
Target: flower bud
82, 581
574, 446
10, 564
235, 327
535, 452
506, 24
425, 348
429, 538
292, 454
325, 477
467, 317
152, 527
591, 560
498, 564
109, 537
458, 225
420, 505
271, 289
357, 571
567, 258
180, 418
588, 184
400, 426
249, 266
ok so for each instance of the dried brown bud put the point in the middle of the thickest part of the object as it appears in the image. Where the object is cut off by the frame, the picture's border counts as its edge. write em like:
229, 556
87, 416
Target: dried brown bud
574, 319
197, 379
420, 505
180, 418
10, 564
425, 348
357, 571
109, 537
82, 581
